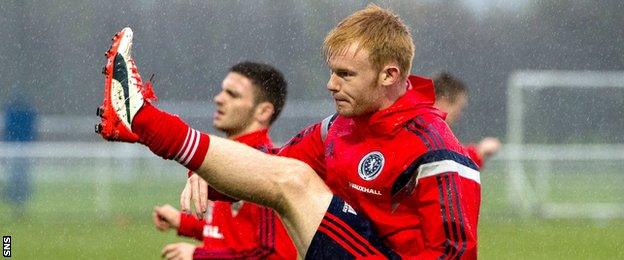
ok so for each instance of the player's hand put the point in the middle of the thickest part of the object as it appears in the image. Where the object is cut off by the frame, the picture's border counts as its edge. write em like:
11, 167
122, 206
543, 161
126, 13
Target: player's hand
166, 217
196, 190
185, 198
178, 251
488, 147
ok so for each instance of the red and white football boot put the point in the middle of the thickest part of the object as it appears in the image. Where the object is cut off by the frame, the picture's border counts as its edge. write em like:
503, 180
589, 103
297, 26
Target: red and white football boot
124, 91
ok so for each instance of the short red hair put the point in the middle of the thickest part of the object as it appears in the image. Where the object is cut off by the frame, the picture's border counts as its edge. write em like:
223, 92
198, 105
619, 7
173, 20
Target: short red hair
380, 32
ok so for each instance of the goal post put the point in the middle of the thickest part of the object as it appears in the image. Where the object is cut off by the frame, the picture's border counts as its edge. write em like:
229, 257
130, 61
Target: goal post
530, 196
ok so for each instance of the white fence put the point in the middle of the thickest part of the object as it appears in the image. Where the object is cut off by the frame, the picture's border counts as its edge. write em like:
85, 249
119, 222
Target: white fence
105, 164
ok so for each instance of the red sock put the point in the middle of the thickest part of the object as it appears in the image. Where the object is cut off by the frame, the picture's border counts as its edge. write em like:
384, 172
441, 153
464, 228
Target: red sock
169, 137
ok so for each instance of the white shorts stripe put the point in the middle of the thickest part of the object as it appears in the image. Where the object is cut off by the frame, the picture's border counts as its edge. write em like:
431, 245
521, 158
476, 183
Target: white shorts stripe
197, 138
188, 133
439, 167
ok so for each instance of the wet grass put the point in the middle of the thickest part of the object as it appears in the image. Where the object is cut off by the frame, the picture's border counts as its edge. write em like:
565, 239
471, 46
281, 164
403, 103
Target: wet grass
68, 220
65, 221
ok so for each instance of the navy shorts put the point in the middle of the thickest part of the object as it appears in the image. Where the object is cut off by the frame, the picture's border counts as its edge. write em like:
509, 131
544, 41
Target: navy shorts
343, 234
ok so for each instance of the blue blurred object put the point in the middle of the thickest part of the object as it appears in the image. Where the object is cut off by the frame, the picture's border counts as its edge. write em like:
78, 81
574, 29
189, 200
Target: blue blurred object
20, 122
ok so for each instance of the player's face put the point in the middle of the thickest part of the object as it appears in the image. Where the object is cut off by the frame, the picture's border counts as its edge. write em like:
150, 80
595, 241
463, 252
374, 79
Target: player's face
235, 104
453, 109
354, 83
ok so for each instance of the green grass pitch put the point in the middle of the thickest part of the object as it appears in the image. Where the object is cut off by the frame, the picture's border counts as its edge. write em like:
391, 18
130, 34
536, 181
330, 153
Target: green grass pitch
62, 221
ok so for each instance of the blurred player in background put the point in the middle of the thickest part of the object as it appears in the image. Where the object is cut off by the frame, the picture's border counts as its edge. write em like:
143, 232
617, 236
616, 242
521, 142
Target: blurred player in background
383, 177
251, 99
20, 128
452, 97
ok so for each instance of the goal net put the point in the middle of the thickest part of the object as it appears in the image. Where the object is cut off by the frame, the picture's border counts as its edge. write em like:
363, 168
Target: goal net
565, 144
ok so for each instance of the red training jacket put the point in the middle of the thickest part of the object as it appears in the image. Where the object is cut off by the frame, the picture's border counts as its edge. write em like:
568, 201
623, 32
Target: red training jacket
240, 229
403, 169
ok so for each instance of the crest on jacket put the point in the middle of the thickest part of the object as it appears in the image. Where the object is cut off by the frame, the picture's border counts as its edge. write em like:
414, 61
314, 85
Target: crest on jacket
371, 165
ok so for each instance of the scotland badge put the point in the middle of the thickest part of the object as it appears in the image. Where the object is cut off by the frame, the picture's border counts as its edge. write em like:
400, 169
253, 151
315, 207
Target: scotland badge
371, 165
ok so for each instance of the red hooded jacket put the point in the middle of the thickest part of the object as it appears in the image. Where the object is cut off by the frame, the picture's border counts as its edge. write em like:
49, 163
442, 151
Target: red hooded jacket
403, 169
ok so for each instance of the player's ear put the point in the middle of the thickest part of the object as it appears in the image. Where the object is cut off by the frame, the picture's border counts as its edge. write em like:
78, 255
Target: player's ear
264, 112
390, 74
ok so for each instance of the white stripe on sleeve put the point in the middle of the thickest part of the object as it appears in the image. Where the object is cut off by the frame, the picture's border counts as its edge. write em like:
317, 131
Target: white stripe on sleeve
439, 167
